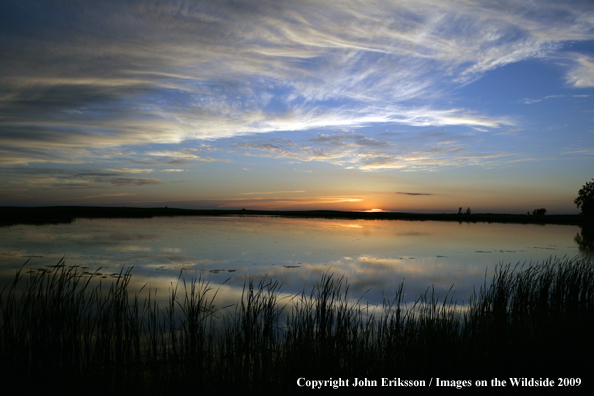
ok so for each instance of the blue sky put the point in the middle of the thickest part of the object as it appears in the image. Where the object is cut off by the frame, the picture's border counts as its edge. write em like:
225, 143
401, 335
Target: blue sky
399, 105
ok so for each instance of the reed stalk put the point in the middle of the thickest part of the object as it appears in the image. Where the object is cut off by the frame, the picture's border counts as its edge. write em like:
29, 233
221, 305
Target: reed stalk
59, 326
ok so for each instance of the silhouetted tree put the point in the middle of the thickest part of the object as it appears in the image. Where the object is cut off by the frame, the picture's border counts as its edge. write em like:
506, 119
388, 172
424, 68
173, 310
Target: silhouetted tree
460, 210
539, 212
468, 211
585, 199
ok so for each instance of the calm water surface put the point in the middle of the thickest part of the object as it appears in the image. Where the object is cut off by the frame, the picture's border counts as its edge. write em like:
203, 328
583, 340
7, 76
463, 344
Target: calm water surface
374, 256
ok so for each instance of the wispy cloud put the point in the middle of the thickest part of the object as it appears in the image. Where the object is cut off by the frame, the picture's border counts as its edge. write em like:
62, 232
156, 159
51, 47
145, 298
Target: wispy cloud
61, 178
581, 74
270, 192
426, 151
275, 202
99, 196
180, 157
585, 151
223, 69
531, 101
409, 193
351, 139
130, 170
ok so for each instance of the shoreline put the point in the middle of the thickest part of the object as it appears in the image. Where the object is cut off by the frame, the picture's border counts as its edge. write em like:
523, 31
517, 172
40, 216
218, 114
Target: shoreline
13, 215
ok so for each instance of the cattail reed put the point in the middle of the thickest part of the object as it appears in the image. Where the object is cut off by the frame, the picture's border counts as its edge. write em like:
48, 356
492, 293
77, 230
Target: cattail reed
59, 326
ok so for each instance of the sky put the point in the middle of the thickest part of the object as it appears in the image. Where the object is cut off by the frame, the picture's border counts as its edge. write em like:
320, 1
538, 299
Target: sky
410, 105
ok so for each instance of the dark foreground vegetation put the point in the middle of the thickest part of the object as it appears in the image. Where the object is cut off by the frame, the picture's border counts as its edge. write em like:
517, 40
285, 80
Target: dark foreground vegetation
56, 329
67, 214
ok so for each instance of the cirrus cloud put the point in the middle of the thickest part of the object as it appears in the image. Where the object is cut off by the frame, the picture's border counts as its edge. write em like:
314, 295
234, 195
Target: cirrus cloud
79, 75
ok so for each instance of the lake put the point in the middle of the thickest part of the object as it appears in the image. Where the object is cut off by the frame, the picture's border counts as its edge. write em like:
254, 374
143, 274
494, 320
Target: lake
374, 256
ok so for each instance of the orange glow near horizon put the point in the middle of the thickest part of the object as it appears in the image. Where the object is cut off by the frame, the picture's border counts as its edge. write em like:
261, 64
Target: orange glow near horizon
373, 210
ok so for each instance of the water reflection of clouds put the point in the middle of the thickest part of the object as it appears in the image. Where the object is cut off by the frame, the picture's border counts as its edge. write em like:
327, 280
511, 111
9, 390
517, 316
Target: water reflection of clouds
372, 282
351, 225
125, 236
129, 248
376, 255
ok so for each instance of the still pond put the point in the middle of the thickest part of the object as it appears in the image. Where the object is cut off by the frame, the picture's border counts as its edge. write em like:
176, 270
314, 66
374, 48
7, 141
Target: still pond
374, 256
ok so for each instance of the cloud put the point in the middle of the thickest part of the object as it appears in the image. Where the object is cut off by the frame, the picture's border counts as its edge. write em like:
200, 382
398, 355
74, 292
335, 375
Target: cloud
266, 203
100, 196
126, 181
130, 170
531, 101
270, 192
184, 156
79, 78
585, 151
60, 178
581, 74
285, 149
408, 193
351, 139
404, 151
275, 202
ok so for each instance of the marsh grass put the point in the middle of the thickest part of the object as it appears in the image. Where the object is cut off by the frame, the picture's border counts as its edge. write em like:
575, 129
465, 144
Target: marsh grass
58, 327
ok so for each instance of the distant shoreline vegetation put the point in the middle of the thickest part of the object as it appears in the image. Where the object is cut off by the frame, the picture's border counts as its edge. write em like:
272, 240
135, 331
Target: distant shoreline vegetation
11, 215
57, 329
